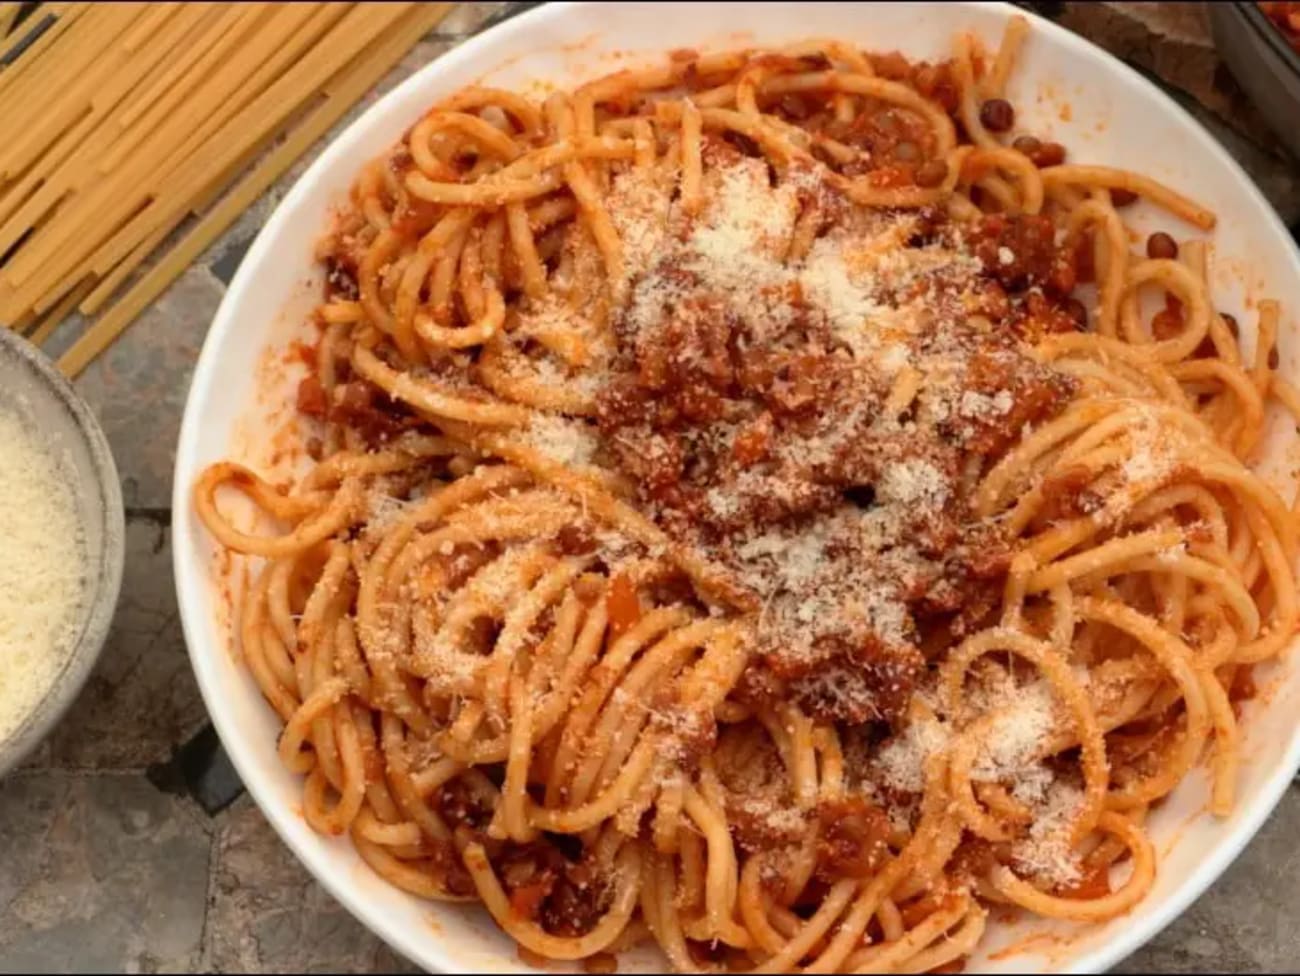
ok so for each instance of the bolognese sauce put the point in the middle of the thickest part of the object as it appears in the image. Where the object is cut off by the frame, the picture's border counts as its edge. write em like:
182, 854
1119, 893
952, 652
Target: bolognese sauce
752, 427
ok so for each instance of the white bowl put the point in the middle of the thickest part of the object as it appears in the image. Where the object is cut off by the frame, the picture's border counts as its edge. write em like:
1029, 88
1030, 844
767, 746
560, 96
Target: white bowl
1063, 88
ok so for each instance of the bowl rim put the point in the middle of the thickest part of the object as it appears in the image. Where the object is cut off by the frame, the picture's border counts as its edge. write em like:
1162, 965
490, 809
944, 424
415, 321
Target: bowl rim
106, 578
190, 572
1271, 34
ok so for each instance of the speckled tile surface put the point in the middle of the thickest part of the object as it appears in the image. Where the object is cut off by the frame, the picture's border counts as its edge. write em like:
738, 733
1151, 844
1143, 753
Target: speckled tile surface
100, 872
120, 849
266, 914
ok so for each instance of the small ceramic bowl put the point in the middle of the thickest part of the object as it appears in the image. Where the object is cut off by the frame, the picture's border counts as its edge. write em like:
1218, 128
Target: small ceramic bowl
31, 387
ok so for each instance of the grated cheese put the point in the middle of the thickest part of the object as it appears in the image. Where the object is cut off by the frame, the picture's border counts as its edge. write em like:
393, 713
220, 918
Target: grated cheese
747, 221
848, 307
41, 571
1018, 729
981, 406
569, 442
1032, 784
913, 482
1153, 451
1046, 854
834, 575
902, 759
638, 206
382, 509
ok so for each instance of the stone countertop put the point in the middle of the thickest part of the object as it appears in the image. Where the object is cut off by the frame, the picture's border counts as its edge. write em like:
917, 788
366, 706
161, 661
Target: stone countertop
125, 842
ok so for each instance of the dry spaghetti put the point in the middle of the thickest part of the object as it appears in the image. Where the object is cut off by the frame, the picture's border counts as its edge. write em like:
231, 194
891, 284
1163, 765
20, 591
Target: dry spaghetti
755, 509
120, 121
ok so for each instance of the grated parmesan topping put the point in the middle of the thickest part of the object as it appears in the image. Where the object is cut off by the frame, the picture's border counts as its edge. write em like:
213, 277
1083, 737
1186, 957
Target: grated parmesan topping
874, 303
913, 482
566, 441
1018, 730
1153, 452
901, 761
1046, 854
982, 405
849, 307
638, 206
809, 576
490, 590
383, 508
743, 231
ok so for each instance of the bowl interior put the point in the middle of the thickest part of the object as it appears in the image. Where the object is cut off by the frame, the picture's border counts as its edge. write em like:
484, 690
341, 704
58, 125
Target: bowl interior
33, 390
1063, 89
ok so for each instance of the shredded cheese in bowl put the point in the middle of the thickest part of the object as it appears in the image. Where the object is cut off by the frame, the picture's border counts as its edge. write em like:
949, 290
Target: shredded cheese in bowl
42, 570
62, 545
